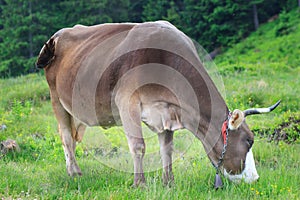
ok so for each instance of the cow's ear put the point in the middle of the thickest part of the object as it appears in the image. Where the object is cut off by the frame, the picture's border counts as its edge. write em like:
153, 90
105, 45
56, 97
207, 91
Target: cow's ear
46, 55
236, 119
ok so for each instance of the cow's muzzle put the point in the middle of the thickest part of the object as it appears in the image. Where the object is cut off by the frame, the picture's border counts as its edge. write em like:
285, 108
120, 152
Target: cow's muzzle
248, 175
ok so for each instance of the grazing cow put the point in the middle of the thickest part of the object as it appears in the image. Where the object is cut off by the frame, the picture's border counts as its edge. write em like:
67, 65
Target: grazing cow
143, 72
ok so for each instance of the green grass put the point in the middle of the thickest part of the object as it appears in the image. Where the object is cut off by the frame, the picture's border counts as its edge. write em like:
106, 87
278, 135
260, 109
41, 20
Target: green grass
46, 178
256, 72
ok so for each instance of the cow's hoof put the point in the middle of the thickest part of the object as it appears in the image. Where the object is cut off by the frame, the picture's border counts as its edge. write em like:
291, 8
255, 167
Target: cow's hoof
168, 183
168, 180
140, 185
74, 171
73, 174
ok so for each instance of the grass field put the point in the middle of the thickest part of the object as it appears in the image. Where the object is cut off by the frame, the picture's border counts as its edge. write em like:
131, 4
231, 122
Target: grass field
256, 72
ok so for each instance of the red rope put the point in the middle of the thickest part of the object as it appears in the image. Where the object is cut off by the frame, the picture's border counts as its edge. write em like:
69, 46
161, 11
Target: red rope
224, 127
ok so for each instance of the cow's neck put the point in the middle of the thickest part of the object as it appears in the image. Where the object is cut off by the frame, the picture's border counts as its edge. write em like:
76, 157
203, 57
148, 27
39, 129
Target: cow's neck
210, 127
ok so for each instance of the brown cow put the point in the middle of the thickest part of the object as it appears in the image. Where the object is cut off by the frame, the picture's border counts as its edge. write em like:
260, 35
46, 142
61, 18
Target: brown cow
147, 72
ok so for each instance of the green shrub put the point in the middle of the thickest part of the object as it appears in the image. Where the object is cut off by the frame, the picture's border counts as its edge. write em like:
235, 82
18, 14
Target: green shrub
286, 128
20, 110
284, 26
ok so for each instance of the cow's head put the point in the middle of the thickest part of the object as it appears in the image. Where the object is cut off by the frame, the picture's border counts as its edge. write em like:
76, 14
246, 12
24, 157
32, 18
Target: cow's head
238, 161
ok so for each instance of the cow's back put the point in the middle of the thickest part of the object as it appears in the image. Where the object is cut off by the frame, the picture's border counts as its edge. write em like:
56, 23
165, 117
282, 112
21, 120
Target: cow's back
91, 61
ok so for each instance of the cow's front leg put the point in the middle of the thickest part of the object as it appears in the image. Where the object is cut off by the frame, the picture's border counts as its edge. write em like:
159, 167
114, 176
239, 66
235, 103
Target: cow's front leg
166, 149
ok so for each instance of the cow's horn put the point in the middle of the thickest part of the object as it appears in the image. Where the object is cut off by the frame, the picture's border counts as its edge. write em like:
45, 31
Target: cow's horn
254, 111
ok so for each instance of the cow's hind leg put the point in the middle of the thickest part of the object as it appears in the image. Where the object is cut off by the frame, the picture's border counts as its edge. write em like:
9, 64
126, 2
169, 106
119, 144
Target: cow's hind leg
69, 146
131, 121
137, 149
166, 149
66, 129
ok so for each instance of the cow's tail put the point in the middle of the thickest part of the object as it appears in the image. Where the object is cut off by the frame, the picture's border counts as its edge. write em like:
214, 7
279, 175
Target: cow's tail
47, 53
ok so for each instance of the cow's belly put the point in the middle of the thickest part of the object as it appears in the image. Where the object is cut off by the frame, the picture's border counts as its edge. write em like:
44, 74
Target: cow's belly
91, 114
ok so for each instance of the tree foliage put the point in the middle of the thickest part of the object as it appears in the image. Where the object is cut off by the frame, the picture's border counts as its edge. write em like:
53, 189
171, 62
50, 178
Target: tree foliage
26, 24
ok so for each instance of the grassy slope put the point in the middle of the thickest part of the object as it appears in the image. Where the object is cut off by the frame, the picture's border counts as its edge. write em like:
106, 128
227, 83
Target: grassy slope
265, 68
256, 72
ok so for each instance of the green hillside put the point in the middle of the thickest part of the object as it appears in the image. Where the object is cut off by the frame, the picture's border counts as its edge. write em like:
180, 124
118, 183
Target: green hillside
257, 72
264, 68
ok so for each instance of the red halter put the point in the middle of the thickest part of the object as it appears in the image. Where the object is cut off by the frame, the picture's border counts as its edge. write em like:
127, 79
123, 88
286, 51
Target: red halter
224, 127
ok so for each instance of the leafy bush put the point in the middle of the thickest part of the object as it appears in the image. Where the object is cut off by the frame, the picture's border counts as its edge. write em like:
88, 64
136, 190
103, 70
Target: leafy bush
20, 110
286, 129
284, 26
